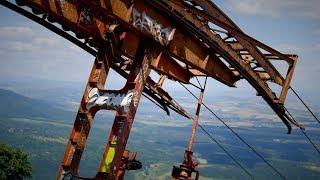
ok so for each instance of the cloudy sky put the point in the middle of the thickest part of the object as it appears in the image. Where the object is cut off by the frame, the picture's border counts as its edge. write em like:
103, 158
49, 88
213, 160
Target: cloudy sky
28, 50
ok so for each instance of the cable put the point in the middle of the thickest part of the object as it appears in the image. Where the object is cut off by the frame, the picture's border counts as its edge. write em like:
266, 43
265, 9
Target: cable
214, 140
199, 82
225, 150
305, 105
238, 136
304, 133
195, 85
313, 144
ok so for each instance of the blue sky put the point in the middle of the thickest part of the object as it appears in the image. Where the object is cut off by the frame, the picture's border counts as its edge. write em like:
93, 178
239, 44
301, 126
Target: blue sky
28, 50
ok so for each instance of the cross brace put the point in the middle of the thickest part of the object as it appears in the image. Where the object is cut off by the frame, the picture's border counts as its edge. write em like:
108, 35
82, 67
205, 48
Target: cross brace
125, 102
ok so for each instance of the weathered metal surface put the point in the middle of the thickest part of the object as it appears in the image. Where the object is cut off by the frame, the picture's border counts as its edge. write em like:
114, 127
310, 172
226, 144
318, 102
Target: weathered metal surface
83, 121
164, 64
287, 82
195, 122
189, 164
195, 25
212, 10
172, 37
124, 117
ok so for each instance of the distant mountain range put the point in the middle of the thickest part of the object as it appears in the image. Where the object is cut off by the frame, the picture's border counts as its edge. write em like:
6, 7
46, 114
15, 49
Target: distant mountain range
36, 116
14, 105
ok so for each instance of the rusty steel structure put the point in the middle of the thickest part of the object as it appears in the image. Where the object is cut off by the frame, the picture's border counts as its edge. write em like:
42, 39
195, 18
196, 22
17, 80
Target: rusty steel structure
189, 164
178, 39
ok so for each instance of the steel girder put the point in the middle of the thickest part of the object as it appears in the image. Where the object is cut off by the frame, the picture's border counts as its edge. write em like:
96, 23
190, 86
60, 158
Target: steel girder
183, 45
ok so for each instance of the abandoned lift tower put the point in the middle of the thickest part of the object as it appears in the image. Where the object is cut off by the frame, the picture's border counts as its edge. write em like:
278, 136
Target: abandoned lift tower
178, 39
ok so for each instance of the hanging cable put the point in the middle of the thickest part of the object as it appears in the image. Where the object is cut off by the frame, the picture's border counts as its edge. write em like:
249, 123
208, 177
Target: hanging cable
305, 105
313, 144
226, 151
195, 85
304, 133
211, 137
199, 82
238, 136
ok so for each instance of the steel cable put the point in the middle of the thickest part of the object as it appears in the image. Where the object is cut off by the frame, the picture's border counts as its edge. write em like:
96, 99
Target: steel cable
304, 133
305, 105
237, 135
226, 151
217, 142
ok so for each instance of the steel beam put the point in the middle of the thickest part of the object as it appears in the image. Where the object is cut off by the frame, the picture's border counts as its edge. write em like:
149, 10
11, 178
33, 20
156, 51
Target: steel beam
191, 22
164, 64
213, 11
111, 165
196, 49
287, 82
84, 120
193, 25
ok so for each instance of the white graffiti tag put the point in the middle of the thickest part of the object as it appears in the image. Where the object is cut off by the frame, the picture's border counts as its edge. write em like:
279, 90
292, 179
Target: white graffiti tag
146, 24
96, 98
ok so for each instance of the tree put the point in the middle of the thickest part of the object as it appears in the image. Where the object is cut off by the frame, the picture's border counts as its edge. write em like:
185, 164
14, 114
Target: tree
13, 163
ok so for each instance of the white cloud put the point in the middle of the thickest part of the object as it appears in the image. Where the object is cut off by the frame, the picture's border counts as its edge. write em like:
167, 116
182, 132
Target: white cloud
40, 44
16, 32
277, 8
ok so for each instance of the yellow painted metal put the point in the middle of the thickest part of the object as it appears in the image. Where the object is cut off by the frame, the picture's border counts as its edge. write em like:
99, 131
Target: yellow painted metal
104, 167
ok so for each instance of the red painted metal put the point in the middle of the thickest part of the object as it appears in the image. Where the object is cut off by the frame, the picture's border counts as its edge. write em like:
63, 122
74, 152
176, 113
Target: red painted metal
189, 165
172, 37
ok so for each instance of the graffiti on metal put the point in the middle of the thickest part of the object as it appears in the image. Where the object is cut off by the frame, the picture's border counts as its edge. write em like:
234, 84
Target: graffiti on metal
146, 24
106, 99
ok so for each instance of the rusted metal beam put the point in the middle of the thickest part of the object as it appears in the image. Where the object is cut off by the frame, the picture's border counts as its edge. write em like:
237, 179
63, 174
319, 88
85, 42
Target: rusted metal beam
84, 120
193, 24
287, 82
210, 11
221, 47
166, 65
293, 57
111, 164
137, 30
194, 53
221, 19
196, 72
180, 45
165, 100
229, 77
189, 164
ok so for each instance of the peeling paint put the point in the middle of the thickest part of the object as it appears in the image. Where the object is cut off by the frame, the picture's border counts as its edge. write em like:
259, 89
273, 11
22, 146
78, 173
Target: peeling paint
97, 98
146, 24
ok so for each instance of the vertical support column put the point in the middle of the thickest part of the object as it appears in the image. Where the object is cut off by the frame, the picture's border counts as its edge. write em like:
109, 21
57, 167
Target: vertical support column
112, 166
189, 165
286, 84
195, 122
84, 119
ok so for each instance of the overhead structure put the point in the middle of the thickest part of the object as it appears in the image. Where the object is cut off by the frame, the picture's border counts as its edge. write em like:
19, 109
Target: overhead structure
178, 39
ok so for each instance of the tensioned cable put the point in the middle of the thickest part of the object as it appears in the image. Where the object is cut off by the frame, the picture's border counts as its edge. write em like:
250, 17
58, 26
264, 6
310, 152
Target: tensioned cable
195, 85
304, 133
226, 151
237, 135
305, 105
217, 142
199, 81
313, 144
